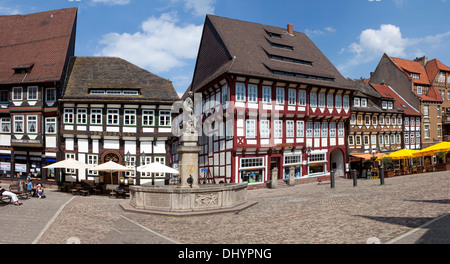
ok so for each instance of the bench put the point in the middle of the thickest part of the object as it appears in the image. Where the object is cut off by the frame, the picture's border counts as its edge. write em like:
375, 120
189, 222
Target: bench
21, 194
5, 199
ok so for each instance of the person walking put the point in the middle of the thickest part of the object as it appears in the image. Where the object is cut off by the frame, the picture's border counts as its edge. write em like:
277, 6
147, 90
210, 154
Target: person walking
11, 195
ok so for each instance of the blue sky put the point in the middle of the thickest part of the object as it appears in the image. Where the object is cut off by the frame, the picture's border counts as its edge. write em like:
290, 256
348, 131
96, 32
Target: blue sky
163, 36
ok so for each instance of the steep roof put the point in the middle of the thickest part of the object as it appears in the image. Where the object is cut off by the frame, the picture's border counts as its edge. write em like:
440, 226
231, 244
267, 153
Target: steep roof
40, 41
409, 67
399, 103
251, 49
433, 67
114, 73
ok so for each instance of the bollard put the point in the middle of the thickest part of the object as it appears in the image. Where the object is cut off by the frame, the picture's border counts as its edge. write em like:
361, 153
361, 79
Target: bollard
355, 181
332, 179
382, 177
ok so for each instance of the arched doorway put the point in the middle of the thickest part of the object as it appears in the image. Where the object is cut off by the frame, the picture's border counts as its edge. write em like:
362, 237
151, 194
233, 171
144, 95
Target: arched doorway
337, 162
115, 157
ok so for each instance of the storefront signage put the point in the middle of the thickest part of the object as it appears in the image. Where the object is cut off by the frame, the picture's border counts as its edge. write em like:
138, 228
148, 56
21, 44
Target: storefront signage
26, 141
5, 166
114, 134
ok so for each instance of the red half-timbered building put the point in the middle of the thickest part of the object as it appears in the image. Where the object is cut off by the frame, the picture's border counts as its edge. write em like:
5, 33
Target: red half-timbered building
284, 105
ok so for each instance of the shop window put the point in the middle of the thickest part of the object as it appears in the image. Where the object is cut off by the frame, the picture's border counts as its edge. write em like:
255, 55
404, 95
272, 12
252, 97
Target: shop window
252, 170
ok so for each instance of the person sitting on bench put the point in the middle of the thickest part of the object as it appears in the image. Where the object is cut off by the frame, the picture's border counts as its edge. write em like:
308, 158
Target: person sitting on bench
10, 195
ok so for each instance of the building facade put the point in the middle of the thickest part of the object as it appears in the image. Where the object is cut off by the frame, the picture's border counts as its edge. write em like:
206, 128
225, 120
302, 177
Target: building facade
32, 71
410, 79
284, 105
114, 110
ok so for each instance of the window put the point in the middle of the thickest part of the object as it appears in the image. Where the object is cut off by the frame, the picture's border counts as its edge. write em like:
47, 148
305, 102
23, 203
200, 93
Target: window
280, 95
82, 116
300, 128
32, 124
252, 162
366, 140
68, 115
384, 105
399, 139
351, 140
412, 122
18, 124
332, 129
380, 139
390, 105
50, 95
338, 101
265, 128
358, 140
50, 125
373, 139
240, 92
406, 121
386, 139
439, 129
165, 118
252, 93
392, 139
93, 161
32, 93
96, 116
363, 102
374, 120
322, 100
290, 128
367, 120
414, 75
412, 139
112, 116
324, 130
129, 117
17, 93
302, 97
346, 102
292, 94
341, 129
278, 128
317, 158
250, 129
316, 129
419, 89
393, 120
360, 118
399, 120
417, 138
148, 117
313, 99
292, 160
131, 164
388, 120
4, 96
381, 120
407, 139
438, 110
353, 119
6, 125
267, 94
356, 102
309, 129
330, 101
70, 156
425, 110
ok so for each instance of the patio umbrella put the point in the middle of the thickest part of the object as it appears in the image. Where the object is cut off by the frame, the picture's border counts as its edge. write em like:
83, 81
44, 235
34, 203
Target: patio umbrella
440, 147
156, 167
111, 167
69, 164
400, 154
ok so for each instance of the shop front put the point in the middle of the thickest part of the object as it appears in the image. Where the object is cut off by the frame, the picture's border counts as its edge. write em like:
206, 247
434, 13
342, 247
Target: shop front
252, 170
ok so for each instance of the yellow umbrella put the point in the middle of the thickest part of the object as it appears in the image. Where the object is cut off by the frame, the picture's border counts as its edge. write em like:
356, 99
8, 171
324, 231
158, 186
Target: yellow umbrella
440, 147
400, 154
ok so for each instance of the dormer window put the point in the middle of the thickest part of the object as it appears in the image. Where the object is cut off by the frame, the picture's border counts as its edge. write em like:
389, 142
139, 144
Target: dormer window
363, 102
23, 69
414, 75
273, 35
356, 102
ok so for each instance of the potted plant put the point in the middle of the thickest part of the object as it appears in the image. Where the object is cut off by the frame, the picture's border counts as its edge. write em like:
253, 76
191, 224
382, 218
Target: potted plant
388, 165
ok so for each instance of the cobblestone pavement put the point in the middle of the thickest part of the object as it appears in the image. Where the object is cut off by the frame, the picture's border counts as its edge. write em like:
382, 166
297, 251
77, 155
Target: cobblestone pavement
309, 213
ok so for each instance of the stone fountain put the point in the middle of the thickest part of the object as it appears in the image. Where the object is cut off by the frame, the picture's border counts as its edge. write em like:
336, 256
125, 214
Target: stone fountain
188, 197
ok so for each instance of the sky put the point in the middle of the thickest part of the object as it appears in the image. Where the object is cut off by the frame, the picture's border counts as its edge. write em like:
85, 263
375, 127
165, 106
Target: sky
163, 36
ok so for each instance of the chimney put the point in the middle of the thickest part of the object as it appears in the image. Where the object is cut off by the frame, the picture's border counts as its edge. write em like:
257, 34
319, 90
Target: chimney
290, 29
423, 60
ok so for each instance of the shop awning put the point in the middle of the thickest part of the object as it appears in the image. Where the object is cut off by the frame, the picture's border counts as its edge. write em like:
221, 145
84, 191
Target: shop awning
367, 156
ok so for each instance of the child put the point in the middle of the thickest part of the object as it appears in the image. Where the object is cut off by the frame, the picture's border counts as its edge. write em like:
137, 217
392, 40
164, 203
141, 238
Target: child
39, 190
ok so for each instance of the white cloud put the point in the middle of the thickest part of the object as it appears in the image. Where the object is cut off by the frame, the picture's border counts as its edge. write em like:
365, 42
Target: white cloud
374, 42
198, 7
318, 32
111, 2
159, 46
9, 11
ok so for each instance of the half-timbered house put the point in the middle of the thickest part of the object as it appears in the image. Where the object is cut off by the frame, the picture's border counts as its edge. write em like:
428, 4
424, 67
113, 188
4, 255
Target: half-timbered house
285, 105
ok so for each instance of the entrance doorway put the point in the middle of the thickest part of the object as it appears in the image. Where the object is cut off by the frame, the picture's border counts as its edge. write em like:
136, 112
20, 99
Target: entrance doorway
107, 178
337, 163
275, 163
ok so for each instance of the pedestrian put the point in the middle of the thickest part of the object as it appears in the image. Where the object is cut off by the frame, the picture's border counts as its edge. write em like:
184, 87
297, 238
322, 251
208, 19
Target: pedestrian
40, 190
31, 187
11, 195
